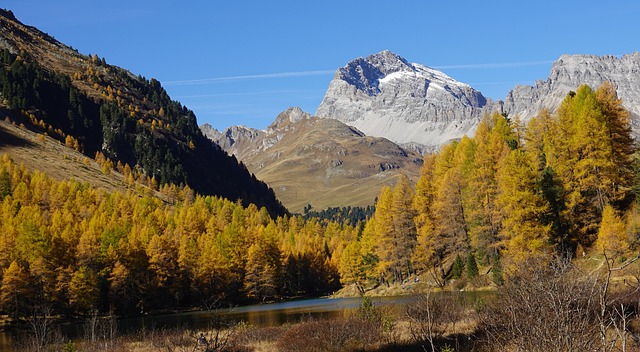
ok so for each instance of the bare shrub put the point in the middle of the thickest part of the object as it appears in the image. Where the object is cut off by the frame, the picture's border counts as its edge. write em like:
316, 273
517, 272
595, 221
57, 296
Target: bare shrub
100, 331
546, 305
433, 316
339, 334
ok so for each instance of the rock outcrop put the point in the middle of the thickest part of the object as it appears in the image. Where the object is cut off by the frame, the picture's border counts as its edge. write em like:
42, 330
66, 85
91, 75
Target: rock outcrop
419, 107
383, 95
568, 73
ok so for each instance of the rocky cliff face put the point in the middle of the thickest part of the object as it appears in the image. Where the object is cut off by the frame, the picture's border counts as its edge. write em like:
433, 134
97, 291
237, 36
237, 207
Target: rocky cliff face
246, 142
413, 105
569, 72
384, 95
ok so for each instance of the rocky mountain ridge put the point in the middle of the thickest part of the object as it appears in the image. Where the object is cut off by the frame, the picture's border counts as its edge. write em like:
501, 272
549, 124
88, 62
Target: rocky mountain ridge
384, 95
322, 162
569, 72
414, 106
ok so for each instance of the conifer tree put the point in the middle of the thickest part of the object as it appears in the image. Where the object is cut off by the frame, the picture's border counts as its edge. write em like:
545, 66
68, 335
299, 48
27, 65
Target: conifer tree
261, 279
404, 229
494, 139
395, 230
422, 206
596, 137
524, 209
83, 289
14, 290
621, 147
383, 232
472, 266
543, 136
351, 264
457, 268
450, 232
612, 236
5, 184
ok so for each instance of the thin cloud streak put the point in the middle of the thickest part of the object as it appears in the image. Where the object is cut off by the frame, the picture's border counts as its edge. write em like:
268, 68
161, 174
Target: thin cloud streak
247, 77
202, 81
215, 95
495, 65
495, 83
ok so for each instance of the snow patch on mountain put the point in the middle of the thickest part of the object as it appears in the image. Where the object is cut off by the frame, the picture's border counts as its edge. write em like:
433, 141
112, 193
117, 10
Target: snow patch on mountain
383, 95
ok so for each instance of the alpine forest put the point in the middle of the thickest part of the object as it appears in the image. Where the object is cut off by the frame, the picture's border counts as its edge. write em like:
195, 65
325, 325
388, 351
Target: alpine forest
564, 184
520, 234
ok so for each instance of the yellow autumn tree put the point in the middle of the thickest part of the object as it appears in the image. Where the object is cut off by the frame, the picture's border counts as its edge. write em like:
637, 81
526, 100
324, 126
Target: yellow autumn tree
83, 289
592, 159
15, 286
494, 139
524, 209
403, 239
422, 206
612, 236
620, 142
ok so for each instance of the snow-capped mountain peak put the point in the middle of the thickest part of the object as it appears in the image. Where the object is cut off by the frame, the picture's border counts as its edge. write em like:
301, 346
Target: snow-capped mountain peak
386, 96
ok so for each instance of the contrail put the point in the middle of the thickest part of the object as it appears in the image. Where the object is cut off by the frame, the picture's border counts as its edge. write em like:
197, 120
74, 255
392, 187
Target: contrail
495, 65
249, 93
325, 72
248, 77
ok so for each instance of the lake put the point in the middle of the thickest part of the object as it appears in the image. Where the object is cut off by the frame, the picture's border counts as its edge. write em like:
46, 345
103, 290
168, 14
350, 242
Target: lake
260, 315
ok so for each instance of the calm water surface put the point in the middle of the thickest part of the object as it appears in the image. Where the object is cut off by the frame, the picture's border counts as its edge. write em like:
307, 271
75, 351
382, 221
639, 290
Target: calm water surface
261, 315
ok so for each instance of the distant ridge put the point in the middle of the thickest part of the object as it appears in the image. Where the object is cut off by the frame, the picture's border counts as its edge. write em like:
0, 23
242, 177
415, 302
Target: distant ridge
320, 162
568, 73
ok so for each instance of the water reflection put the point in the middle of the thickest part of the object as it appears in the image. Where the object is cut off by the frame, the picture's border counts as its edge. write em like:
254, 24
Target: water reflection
261, 315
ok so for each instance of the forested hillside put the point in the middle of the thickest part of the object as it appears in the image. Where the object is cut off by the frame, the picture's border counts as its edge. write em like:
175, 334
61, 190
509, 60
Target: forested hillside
71, 248
95, 107
566, 183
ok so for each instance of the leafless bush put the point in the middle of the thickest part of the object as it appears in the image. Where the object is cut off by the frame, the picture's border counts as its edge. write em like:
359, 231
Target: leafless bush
41, 334
544, 306
433, 316
100, 331
339, 334
221, 332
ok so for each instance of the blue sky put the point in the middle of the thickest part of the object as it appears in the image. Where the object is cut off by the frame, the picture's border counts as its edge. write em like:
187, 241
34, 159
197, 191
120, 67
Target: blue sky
243, 62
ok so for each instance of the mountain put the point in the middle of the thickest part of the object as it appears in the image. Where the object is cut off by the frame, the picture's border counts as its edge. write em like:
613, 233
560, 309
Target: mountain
383, 95
568, 73
106, 109
322, 162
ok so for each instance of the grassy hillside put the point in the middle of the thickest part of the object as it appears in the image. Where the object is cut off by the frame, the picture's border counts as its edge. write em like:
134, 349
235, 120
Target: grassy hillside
322, 162
39, 152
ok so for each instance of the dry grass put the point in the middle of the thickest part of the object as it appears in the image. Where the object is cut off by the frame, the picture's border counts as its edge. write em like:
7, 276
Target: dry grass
45, 154
323, 162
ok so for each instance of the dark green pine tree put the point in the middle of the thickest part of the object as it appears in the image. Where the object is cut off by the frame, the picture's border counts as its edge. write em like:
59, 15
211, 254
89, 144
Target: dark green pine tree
497, 271
472, 266
457, 268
